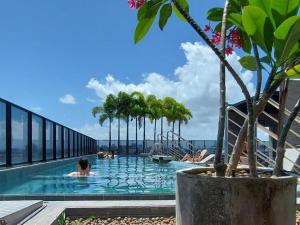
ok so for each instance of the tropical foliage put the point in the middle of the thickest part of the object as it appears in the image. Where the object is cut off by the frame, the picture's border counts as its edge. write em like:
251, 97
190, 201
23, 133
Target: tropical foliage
268, 33
136, 106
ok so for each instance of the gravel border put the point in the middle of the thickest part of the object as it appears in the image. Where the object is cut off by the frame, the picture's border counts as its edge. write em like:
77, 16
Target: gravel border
123, 221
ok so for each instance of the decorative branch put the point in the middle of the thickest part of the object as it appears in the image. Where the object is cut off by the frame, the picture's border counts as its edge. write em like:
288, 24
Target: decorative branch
259, 72
218, 165
278, 169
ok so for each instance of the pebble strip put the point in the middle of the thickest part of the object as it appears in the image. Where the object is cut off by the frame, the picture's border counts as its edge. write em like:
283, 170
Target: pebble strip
135, 221
123, 221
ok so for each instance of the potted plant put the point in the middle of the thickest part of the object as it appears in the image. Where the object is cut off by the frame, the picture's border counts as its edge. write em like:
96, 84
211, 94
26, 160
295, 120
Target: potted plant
268, 32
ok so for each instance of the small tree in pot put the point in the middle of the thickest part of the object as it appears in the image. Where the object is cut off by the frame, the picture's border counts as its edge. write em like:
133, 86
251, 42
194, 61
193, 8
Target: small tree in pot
269, 33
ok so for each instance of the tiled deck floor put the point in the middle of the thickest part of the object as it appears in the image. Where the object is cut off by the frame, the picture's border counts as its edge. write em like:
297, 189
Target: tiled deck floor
14, 211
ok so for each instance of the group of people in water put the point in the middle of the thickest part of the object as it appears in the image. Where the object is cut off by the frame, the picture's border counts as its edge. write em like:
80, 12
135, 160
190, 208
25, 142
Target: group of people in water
84, 167
109, 155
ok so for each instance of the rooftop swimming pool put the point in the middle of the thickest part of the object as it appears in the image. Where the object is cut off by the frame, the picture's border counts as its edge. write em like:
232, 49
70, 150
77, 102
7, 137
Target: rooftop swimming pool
122, 175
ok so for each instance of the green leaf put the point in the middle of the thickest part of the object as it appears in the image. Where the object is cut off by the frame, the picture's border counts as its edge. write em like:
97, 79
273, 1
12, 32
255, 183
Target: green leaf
283, 9
287, 36
165, 13
294, 72
149, 9
248, 62
265, 5
266, 60
185, 6
257, 26
142, 29
236, 19
215, 14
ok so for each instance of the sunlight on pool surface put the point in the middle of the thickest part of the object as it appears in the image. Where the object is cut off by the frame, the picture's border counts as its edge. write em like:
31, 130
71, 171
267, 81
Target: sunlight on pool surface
122, 175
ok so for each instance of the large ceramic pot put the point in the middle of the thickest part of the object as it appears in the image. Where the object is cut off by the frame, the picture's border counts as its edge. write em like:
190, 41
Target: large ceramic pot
205, 200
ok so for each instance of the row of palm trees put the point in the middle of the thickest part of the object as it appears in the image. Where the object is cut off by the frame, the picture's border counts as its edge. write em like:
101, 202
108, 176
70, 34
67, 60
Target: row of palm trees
138, 107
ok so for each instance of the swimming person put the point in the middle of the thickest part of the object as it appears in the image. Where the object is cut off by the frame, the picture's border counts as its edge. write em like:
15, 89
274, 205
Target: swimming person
83, 168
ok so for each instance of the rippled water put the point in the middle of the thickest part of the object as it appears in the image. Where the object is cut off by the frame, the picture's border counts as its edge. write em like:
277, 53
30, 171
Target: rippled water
122, 175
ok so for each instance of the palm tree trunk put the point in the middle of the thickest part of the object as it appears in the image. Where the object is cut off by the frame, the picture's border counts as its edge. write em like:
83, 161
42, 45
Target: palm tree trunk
161, 129
173, 126
136, 135
154, 131
144, 140
127, 136
109, 145
118, 134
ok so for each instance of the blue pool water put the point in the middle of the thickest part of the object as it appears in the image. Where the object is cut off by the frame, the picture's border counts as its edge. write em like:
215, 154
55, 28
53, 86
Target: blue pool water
122, 175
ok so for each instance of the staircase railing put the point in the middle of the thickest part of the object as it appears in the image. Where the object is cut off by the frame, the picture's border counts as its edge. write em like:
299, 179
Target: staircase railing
174, 146
264, 159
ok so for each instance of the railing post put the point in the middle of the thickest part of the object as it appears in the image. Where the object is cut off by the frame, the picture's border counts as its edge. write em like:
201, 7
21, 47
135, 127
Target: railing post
29, 137
69, 152
44, 139
8, 134
54, 141
62, 142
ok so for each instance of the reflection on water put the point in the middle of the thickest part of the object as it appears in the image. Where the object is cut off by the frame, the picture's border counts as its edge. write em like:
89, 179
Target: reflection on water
120, 175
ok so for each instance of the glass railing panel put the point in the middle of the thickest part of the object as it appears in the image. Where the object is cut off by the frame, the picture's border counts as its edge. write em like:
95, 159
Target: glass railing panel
37, 138
49, 140
19, 125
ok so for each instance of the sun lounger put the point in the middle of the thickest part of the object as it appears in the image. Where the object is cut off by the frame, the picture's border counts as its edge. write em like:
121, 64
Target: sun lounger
207, 159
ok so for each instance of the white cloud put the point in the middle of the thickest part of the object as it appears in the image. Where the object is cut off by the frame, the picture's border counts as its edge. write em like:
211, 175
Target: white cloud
67, 99
196, 84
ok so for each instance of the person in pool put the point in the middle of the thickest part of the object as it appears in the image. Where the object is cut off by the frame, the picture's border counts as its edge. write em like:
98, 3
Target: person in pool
83, 169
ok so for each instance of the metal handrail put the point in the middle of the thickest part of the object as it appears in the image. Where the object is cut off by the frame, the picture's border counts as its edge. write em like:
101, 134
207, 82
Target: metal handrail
286, 111
276, 120
260, 154
272, 134
181, 138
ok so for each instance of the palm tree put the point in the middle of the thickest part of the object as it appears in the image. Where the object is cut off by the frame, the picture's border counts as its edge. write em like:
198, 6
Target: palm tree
119, 116
135, 114
140, 109
170, 107
106, 111
155, 111
183, 115
124, 109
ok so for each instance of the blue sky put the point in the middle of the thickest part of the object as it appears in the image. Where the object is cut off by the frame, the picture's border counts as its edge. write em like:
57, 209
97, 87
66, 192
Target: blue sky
53, 48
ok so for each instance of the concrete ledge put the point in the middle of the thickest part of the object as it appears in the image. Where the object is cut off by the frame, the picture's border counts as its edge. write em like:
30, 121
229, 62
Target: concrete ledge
121, 208
103, 197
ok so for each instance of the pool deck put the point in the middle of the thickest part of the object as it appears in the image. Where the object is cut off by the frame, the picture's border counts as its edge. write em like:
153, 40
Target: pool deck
48, 213
12, 212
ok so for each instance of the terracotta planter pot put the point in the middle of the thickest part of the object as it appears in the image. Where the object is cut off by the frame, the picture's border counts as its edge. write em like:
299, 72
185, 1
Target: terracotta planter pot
204, 200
